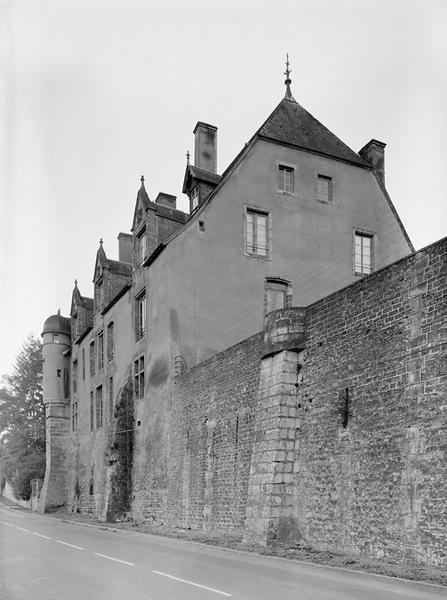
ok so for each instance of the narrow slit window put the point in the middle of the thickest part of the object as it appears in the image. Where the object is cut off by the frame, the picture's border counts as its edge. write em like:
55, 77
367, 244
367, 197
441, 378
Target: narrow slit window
99, 408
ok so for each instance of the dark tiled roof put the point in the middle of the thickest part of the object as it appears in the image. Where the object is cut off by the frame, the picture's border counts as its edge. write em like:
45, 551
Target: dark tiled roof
87, 302
57, 324
290, 123
193, 174
173, 214
204, 175
119, 268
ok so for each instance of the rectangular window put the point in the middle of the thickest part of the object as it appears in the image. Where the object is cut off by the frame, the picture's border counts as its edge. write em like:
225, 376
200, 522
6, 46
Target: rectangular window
74, 409
324, 188
92, 412
92, 358
100, 350
276, 292
99, 408
74, 378
110, 342
110, 399
141, 246
140, 315
194, 198
363, 253
256, 233
99, 295
138, 377
286, 179
83, 363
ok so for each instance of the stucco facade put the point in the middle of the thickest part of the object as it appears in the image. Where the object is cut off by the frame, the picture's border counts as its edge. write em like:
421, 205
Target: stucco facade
281, 227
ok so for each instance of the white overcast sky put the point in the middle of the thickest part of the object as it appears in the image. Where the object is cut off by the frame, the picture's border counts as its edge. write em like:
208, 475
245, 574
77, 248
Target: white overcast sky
94, 93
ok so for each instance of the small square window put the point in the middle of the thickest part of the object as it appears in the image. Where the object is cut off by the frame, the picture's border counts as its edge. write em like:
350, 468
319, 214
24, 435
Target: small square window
286, 179
324, 189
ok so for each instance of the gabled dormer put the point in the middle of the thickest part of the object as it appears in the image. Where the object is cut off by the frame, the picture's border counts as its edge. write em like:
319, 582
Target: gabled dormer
143, 227
81, 313
109, 277
153, 223
201, 178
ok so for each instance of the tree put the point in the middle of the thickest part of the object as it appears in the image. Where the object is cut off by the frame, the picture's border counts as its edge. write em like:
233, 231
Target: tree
22, 420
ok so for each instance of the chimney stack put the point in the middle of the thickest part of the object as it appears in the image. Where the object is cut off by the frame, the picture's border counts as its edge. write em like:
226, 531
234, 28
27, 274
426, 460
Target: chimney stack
205, 152
125, 247
374, 154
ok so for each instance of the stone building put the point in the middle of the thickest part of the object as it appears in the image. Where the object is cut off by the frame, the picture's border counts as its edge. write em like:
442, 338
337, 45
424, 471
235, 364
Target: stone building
191, 390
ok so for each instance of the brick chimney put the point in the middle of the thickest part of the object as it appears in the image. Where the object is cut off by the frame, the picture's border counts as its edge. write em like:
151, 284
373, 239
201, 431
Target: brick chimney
205, 152
374, 154
125, 247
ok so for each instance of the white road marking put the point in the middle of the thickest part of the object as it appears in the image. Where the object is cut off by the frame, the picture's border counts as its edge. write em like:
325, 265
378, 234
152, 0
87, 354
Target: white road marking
204, 587
22, 529
41, 535
115, 559
9, 524
71, 545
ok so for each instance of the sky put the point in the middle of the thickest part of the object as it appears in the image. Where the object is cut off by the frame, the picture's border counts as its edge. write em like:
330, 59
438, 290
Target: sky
96, 93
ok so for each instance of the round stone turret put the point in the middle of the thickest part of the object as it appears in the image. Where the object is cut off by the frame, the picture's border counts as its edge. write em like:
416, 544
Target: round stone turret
56, 348
284, 329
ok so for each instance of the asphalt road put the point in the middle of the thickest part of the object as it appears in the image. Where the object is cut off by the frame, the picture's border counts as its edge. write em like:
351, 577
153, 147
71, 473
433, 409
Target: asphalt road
45, 559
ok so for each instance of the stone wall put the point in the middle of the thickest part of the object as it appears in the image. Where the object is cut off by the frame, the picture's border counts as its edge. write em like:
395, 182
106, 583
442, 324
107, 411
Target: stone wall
369, 469
209, 444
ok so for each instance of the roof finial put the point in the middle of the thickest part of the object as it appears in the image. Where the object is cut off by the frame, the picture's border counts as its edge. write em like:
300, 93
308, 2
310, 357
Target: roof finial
288, 81
58, 312
76, 283
188, 155
100, 241
142, 180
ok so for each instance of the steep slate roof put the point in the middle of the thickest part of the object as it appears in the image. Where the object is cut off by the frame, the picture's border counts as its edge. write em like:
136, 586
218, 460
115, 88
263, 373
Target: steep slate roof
119, 268
173, 214
291, 124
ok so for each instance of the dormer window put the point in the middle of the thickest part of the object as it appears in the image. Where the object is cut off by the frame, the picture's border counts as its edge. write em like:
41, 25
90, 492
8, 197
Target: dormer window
99, 292
194, 198
141, 249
